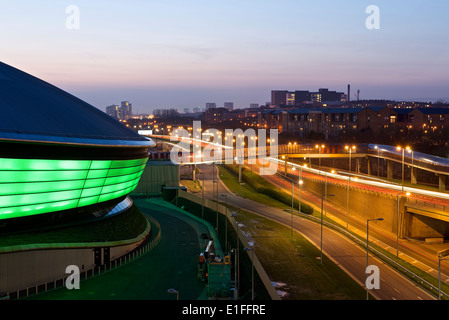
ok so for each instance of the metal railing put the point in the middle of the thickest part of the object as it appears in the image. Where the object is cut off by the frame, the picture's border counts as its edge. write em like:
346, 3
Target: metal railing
225, 211
422, 283
92, 272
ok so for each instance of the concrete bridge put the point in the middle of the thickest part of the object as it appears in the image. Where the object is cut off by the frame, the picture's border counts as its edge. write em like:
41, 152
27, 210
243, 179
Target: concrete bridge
411, 217
404, 156
371, 153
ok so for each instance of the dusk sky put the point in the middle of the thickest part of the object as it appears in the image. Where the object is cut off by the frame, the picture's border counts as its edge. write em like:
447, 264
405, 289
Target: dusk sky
167, 53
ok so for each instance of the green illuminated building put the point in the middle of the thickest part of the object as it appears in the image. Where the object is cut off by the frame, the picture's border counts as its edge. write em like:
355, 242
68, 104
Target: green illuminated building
60, 155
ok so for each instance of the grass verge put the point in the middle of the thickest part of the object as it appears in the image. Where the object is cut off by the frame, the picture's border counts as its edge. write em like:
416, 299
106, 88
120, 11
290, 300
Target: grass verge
124, 226
192, 186
290, 261
293, 264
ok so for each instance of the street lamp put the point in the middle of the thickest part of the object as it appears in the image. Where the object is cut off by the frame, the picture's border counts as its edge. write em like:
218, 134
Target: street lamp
378, 159
215, 198
236, 280
367, 245
403, 155
347, 203
301, 182
350, 149
226, 220
441, 256
439, 276
299, 206
174, 291
252, 269
202, 196
322, 200
320, 148
292, 207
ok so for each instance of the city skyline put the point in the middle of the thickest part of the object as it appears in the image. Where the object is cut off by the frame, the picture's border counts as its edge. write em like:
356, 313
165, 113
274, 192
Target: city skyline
169, 54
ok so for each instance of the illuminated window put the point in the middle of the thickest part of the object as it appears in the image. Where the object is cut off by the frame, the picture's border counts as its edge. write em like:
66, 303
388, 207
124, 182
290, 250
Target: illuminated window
30, 187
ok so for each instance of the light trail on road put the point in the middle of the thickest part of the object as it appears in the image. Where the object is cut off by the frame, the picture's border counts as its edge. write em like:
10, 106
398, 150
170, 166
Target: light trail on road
353, 180
359, 182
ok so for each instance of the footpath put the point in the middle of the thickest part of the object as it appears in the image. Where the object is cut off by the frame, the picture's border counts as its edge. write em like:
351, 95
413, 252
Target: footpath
172, 264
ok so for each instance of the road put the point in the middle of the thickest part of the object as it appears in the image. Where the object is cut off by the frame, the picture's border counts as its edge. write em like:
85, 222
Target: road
344, 253
171, 264
423, 256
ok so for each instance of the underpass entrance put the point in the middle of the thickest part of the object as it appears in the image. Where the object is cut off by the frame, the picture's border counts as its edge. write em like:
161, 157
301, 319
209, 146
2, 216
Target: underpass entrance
426, 225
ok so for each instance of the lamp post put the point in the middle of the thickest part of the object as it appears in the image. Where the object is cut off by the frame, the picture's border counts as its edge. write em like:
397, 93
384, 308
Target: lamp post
291, 233
226, 221
252, 270
320, 148
301, 182
285, 165
439, 277
347, 204
202, 196
350, 153
215, 198
174, 291
293, 194
236, 255
367, 244
299, 209
403, 156
378, 159
441, 256
322, 201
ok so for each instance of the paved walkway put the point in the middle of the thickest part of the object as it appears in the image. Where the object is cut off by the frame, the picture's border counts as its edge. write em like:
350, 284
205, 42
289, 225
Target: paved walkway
171, 264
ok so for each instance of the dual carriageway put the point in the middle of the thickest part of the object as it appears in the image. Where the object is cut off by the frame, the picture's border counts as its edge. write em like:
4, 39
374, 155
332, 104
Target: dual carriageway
433, 201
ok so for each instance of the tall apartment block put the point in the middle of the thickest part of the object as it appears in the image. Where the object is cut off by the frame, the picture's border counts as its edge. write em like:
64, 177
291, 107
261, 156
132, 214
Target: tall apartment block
122, 112
211, 105
296, 98
229, 106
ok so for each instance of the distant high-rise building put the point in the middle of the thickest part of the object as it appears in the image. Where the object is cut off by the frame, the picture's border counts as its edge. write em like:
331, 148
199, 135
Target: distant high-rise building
196, 109
113, 111
126, 110
186, 110
279, 97
316, 97
327, 95
229, 106
122, 112
290, 99
298, 97
302, 96
211, 105
253, 105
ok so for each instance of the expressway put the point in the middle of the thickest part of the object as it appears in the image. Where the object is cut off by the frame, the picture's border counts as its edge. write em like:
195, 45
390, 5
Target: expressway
424, 196
422, 256
343, 252
425, 254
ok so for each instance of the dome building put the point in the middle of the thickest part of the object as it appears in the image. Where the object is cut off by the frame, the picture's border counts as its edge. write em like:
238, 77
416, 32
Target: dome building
60, 156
